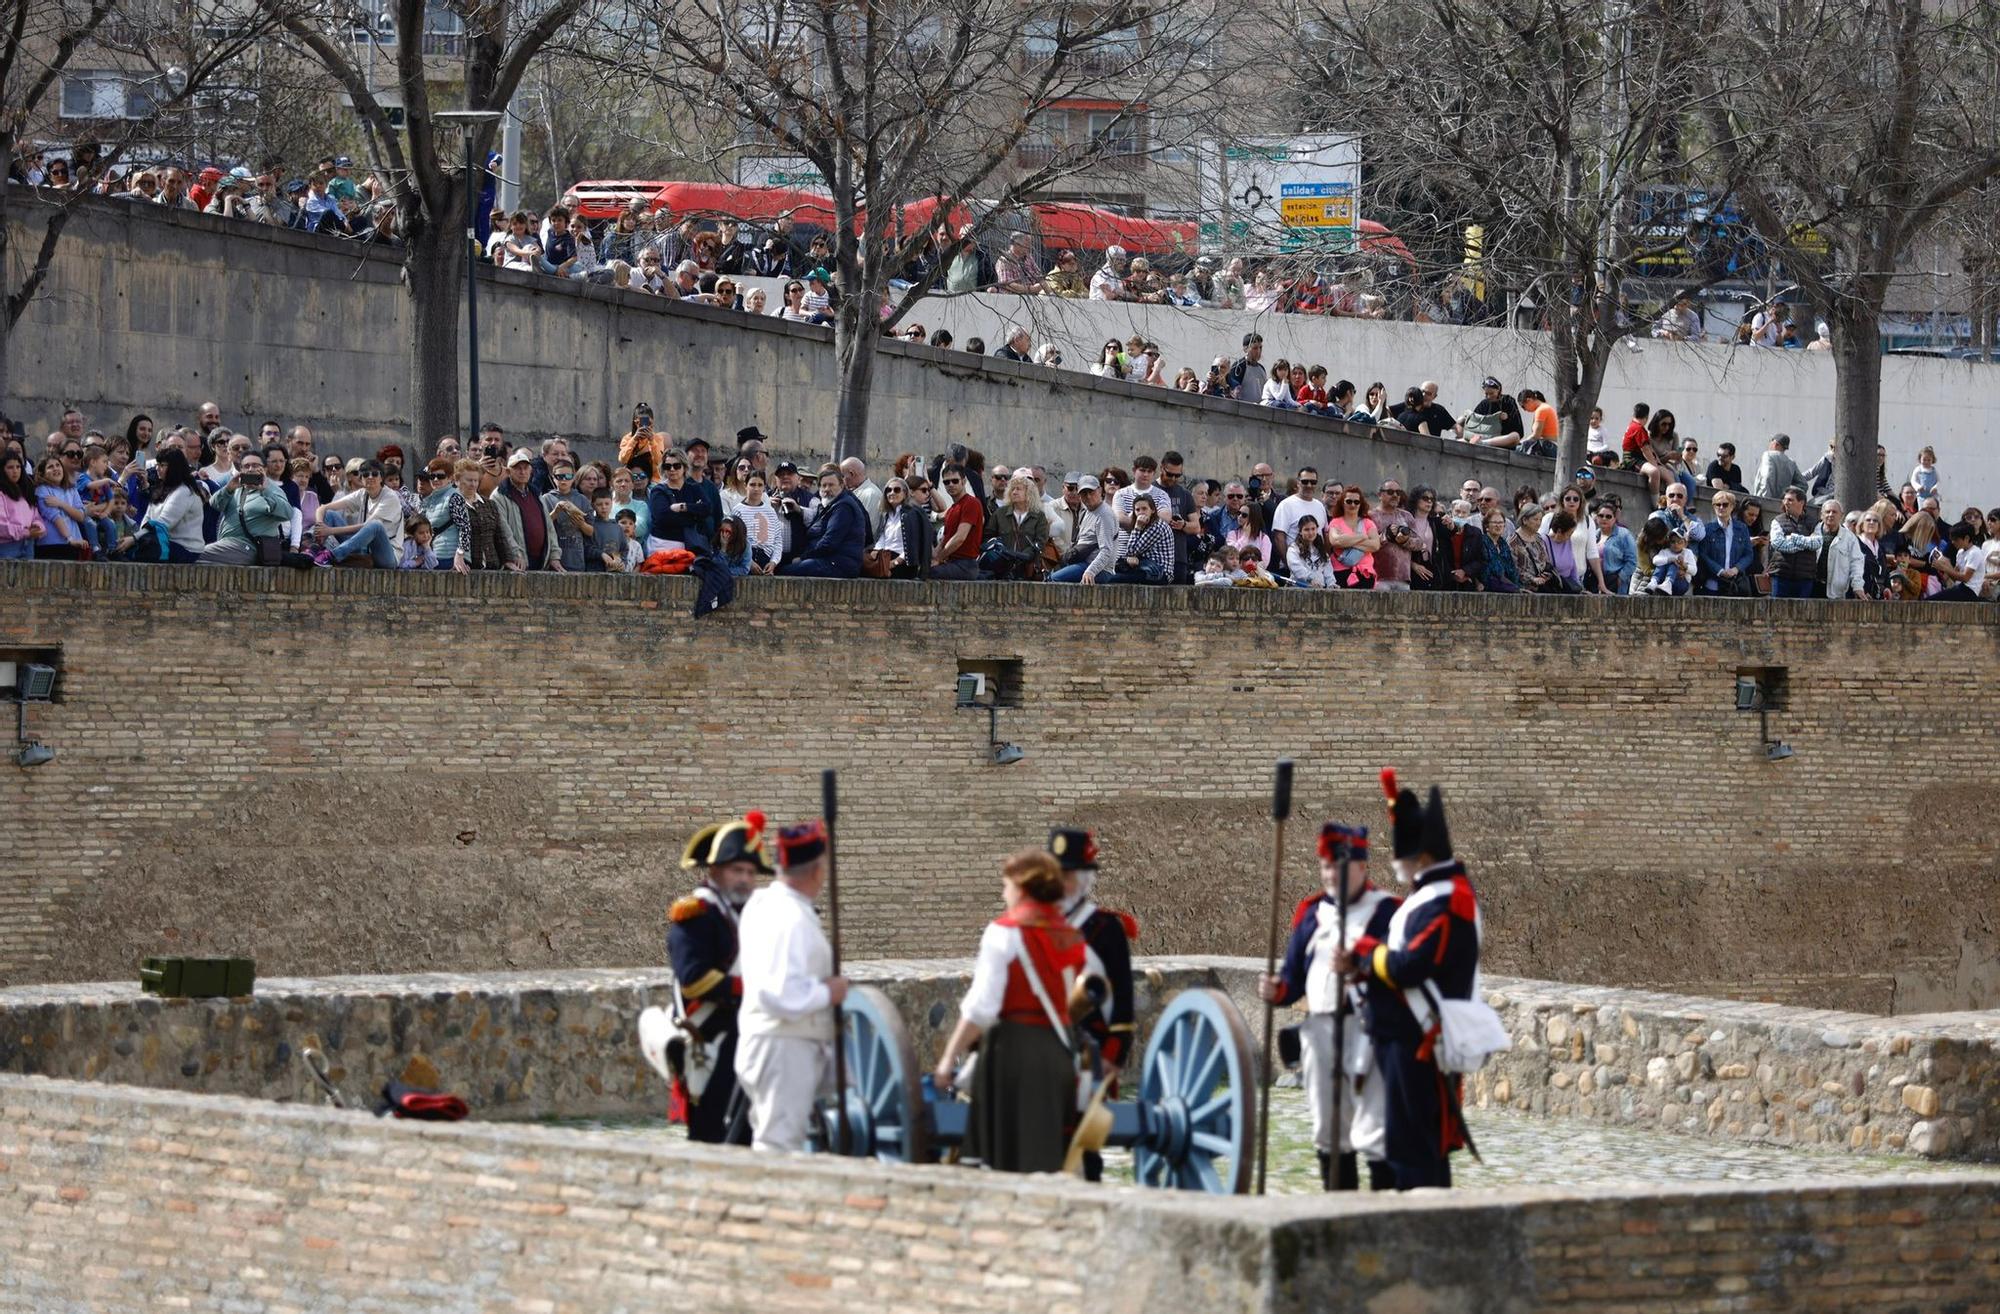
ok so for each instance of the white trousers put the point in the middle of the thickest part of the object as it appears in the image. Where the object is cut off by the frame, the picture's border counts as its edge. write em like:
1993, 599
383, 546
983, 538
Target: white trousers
782, 1076
1362, 1107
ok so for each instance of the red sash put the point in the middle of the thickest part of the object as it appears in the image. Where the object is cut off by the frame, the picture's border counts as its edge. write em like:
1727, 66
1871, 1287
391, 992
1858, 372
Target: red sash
1052, 949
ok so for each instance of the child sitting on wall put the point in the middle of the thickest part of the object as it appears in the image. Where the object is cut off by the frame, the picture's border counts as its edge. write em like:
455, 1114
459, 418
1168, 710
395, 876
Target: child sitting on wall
1254, 576
417, 553
1223, 568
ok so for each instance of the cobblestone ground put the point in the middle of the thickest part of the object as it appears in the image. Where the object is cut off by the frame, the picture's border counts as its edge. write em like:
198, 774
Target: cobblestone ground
1521, 1150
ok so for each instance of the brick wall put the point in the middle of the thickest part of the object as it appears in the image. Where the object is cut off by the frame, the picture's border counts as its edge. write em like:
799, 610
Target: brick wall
115, 1198
360, 771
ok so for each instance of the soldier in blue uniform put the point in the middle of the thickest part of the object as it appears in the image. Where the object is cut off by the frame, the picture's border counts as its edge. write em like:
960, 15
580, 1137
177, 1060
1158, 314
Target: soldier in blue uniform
1108, 937
1309, 977
1431, 944
708, 989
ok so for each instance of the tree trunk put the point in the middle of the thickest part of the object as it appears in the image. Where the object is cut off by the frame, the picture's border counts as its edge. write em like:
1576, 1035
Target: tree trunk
7, 315
433, 274
854, 342
1857, 401
1579, 378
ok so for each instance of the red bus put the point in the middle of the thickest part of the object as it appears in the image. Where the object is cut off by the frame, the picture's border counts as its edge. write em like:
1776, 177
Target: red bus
1052, 225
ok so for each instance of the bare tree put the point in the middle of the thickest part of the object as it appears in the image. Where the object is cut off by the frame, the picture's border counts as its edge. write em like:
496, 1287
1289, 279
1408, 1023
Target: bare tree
946, 108
1541, 122
1872, 117
584, 119
426, 174
162, 62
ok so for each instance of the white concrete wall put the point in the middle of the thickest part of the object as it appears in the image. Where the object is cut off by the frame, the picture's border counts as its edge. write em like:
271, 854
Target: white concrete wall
1717, 393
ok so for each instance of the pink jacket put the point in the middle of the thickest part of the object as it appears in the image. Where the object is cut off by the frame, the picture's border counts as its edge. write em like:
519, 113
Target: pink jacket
18, 520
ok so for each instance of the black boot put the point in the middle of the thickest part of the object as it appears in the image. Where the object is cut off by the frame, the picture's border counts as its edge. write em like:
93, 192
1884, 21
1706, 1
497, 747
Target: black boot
1325, 1171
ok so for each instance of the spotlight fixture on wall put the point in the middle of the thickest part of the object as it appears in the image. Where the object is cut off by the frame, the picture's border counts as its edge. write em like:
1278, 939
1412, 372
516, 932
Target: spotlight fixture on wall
1754, 693
973, 695
33, 683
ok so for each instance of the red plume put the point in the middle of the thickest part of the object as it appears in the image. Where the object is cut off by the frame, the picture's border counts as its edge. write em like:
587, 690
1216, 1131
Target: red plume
1389, 783
755, 821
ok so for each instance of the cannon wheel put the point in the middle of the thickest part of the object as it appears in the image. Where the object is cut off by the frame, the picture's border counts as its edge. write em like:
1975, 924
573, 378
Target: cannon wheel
1197, 1098
884, 1100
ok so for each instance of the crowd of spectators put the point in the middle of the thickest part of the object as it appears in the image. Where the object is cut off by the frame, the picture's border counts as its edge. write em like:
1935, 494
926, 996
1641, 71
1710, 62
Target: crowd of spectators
203, 492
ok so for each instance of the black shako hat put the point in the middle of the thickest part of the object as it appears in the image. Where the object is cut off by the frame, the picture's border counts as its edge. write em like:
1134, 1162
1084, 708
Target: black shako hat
1335, 836
1415, 828
1073, 850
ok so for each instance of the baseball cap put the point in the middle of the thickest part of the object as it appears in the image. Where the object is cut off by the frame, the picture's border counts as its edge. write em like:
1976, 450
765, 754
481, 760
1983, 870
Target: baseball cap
1086, 483
354, 465
1584, 473
241, 174
342, 162
295, 186
1074, 479
787, 467
521, 456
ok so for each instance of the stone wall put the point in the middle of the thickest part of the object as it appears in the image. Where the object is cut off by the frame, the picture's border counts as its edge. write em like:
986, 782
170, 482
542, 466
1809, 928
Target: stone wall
116, 1198
1928, 1084
516, 1044
361, 771
531, 1045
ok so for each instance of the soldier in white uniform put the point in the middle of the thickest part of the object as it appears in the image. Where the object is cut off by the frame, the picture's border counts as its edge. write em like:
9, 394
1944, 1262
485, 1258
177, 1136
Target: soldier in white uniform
784, 1054
1308, 975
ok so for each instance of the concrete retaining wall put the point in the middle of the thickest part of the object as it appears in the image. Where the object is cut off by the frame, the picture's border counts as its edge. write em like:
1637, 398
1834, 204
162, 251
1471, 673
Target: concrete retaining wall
157, 311
1718, 393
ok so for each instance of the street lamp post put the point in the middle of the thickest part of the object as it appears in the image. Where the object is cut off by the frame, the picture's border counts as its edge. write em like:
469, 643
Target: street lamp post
468, 122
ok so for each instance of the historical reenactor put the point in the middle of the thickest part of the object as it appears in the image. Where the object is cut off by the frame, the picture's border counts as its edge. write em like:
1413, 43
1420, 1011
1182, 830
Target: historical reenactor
1107, 937
1309, 976
785, 1057
701, 945
1024, 1084
1428, 953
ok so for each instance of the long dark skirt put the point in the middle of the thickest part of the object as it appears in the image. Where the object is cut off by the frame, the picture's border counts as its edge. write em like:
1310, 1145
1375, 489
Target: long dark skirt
1023, 1099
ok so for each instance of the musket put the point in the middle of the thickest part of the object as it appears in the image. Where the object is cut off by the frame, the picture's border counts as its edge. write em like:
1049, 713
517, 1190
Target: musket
1281, 810
829, 801
1343, 853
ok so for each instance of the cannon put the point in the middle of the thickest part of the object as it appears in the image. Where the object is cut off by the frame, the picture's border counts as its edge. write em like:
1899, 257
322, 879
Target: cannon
1190, 1124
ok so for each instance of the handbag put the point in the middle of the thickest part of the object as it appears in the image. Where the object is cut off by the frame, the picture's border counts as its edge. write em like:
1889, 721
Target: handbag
878, 563
267, 549
1486, 426
1469, 1031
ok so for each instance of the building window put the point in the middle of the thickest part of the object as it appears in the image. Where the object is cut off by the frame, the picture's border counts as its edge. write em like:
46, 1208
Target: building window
107, 94
1119, 133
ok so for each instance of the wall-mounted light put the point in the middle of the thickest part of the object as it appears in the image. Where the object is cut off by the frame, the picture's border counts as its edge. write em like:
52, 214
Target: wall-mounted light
1755, 692
973, 695
33, 683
